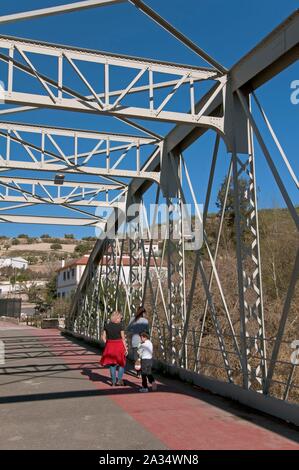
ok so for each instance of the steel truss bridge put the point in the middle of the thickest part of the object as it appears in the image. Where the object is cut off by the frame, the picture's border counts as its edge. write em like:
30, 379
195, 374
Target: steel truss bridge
108, 170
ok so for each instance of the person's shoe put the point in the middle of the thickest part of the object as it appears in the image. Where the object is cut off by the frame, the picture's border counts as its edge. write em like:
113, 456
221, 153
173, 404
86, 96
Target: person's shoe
143, 390
154, 387
120, 383
113, 384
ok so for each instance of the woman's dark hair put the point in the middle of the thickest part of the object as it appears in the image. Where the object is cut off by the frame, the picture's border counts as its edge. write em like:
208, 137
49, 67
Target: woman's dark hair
141, 310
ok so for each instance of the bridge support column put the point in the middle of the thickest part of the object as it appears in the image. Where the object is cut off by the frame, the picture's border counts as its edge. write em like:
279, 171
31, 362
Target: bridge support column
175, 259
252, 328
136, 256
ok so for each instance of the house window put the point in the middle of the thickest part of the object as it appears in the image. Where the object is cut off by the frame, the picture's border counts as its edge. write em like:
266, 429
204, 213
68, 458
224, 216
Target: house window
64, 275
73, 272
63, 295
68, 274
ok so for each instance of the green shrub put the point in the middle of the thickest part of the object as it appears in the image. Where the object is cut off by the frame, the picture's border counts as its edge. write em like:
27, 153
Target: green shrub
83, 248
56, 246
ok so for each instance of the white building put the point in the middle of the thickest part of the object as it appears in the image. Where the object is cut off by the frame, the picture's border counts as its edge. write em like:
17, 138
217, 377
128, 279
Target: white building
18, 263
69, 276
7, 288
155, 248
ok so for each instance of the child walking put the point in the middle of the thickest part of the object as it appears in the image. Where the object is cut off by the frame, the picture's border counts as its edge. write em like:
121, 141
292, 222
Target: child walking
145, 352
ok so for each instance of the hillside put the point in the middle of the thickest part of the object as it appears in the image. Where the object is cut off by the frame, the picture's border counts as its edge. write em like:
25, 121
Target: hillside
278, 246
44, 249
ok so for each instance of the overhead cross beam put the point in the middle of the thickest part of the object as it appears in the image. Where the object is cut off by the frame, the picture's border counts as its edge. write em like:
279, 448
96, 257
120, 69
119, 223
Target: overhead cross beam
100, 187
56, 94
37, 219
75, 193
68, 8
78, 133
110, 154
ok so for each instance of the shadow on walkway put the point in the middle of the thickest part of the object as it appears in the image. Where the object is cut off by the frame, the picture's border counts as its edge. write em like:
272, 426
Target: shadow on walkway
90, 369
96, 377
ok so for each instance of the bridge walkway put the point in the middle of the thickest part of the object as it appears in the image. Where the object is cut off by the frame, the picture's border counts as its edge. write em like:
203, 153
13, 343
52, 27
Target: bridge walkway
54, 395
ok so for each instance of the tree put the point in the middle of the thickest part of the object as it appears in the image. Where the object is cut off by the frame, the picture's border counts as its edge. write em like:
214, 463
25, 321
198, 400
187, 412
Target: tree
15, 241
45, 235
51, 292
32, 259
83, 249
62, 307
69, 236
230, 203
33, 291
56, 246
23, 235
30, 241
22, 276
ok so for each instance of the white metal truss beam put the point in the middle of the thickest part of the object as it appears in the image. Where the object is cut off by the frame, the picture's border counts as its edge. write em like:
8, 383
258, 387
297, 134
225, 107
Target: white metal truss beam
58, 95
100, 57
29, 200
42, 199
100, 187
79, 134
69, 221
38, 195
132, 112
44, 148
30, 190
83, 170
68, 8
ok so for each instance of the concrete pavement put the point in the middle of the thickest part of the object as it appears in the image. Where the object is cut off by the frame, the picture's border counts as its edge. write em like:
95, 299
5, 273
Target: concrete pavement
54, 395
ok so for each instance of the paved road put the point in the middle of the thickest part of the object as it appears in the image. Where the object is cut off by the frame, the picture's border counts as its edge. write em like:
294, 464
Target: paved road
54, 395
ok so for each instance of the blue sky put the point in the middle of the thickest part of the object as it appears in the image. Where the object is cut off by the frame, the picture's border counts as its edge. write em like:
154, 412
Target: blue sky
225, 29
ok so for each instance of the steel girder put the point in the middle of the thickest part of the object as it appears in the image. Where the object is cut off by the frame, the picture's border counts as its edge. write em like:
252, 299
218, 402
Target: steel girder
61, 151
40, 220
45, 12
249, 271
52, 91
49, 155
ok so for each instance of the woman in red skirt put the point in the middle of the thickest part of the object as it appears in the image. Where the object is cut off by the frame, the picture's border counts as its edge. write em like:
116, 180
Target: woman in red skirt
115, 350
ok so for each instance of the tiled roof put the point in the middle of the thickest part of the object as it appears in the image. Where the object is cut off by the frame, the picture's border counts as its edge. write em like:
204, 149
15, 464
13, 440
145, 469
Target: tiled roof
77, 262
125, 262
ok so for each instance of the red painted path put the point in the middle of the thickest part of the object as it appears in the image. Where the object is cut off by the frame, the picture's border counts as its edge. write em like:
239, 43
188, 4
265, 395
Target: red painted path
177, 416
